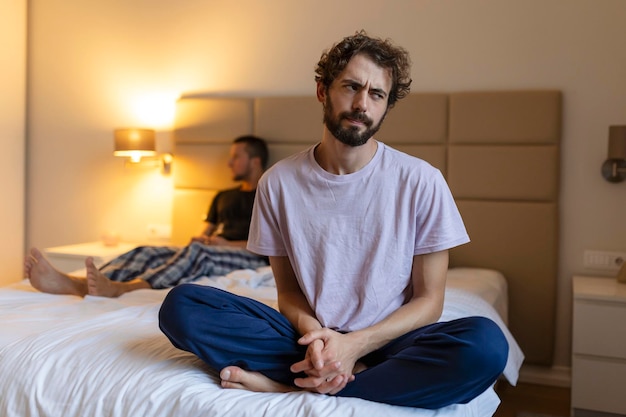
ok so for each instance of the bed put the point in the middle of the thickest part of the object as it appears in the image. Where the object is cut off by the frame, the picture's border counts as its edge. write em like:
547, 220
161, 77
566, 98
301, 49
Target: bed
63, 355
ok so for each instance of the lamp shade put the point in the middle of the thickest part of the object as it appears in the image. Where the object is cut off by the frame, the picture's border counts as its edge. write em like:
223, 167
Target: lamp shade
617, 142
134, 143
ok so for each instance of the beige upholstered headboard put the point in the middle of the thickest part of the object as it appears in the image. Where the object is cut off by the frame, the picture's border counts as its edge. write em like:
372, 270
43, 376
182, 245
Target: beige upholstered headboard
499, 151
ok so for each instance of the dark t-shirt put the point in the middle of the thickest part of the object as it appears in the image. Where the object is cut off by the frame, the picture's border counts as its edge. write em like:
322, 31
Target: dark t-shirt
233, 210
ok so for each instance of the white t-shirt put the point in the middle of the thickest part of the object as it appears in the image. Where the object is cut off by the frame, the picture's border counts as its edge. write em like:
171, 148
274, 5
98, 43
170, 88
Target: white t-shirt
351, 238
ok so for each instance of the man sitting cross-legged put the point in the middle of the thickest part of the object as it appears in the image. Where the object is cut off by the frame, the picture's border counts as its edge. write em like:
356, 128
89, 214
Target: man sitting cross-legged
357, 234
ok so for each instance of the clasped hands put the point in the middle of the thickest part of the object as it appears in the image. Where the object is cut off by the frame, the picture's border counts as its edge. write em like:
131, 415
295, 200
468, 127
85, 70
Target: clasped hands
329, 361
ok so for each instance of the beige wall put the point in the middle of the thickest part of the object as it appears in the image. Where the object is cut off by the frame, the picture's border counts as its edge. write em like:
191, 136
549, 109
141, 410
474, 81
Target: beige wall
12, 136
94, 61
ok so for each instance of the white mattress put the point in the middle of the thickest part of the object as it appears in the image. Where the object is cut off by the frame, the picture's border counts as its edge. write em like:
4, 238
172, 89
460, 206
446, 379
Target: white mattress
67, 356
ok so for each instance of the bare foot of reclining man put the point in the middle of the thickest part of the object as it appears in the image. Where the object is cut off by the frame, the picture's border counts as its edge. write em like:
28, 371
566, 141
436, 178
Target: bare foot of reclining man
44, 277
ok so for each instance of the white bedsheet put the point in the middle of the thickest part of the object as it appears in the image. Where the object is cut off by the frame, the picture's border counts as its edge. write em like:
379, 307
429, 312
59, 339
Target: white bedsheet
67, 356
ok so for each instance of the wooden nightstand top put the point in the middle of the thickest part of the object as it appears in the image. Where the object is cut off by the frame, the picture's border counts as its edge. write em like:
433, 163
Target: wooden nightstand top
599, 288
95, 249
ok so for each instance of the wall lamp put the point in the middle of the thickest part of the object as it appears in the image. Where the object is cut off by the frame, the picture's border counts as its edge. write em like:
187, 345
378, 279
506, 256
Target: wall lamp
139, 145
614, 168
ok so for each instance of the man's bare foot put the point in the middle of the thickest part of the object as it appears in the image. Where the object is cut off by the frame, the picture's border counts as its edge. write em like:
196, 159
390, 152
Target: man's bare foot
98, 284
46, 278
235, 377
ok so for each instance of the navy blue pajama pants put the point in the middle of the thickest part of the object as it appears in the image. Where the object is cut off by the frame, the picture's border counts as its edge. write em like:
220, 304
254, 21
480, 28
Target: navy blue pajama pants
431, 367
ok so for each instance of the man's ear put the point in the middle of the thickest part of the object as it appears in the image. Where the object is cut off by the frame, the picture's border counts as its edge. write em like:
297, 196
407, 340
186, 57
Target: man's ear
321, 92
256, 160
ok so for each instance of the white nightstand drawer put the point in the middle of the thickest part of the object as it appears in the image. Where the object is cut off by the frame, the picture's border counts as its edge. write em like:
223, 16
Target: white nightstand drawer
600, 328
598, 384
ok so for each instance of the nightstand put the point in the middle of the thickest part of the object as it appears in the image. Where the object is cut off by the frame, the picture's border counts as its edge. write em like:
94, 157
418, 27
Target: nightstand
71, 258
598, 347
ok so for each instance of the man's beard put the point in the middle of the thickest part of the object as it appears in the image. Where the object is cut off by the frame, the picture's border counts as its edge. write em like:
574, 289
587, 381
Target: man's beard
349, 135
241, 177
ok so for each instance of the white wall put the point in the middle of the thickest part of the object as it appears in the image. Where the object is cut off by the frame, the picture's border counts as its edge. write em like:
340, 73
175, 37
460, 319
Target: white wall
93, 61
12, 136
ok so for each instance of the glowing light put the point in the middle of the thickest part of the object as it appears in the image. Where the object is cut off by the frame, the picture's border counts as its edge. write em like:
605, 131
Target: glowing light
155, 109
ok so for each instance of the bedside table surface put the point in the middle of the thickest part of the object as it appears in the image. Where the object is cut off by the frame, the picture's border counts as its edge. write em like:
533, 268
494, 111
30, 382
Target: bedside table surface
599, 288
96, 249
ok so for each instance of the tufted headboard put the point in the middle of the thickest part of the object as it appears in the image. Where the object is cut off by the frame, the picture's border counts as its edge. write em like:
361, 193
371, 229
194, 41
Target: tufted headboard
499, 151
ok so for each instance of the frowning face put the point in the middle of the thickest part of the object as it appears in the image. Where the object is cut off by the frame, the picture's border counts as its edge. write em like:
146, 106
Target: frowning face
355, 104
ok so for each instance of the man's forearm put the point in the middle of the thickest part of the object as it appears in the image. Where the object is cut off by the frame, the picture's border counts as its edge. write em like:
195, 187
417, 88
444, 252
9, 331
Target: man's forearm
236, 243
296, 309
291, 301
428, 276
416, 313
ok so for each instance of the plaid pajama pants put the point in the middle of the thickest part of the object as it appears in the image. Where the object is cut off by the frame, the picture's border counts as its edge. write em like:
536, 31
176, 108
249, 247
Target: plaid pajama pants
168, 266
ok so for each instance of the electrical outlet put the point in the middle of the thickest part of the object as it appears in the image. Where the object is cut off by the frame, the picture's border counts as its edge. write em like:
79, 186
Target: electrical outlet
159, 231
608, 261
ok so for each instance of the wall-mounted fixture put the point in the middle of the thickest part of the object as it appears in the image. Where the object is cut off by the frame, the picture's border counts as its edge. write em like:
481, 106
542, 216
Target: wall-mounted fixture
614, 168
139, 145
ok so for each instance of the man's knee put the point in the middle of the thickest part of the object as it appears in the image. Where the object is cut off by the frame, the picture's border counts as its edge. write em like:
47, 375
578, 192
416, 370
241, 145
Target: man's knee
176, 297
174, 312
489, 350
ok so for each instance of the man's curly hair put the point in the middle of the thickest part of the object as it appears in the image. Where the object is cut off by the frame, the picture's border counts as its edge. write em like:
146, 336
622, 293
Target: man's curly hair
382, 52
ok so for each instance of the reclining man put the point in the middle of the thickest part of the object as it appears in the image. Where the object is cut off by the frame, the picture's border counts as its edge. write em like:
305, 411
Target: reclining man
218, 250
